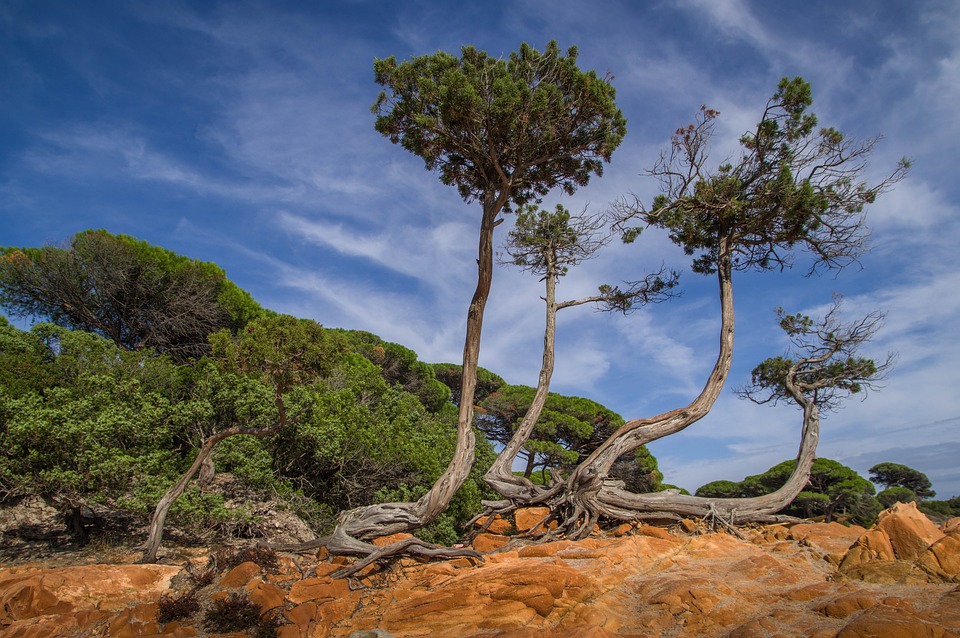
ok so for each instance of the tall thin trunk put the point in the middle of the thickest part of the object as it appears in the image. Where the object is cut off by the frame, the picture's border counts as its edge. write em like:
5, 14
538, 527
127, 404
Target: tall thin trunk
500, 475
390, 518
434, 502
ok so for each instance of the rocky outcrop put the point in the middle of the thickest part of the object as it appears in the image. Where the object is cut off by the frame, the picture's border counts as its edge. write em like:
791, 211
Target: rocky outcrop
804, 580
36, 602
904, 547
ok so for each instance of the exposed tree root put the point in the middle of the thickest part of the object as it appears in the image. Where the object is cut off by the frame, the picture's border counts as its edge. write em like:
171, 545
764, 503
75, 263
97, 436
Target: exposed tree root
340, 544
715, 519
413, 546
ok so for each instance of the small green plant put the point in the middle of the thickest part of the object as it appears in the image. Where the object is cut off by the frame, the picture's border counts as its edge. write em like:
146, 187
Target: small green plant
171, 608
236, 612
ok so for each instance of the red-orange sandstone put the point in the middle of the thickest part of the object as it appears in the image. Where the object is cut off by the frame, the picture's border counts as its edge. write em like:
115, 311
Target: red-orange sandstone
821, 580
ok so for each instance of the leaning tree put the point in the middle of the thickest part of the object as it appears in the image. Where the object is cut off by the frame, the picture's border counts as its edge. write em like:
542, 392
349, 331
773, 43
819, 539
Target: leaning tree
503, 132
548, 244
793, 187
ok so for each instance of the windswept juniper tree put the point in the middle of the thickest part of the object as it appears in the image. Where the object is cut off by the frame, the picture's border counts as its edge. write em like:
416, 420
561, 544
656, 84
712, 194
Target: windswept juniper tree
504, 133
547, 244
793, 187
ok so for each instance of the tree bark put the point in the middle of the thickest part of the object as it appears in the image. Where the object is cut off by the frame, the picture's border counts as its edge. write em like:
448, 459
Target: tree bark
617, 503
390, 518
159, 518
637, 432
500, 476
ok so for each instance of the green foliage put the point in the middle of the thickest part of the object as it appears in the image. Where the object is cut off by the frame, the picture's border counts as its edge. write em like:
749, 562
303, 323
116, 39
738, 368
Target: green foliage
449, 374
942, 509
793, 186
720, 489
400, 366
832, 489
639, 471
282, 350
248, 458
893, 495
545, 242
94, 422
139, 296
895, 475
824, 366
23, 361
534, 120
204, 511
568, 427
103, 418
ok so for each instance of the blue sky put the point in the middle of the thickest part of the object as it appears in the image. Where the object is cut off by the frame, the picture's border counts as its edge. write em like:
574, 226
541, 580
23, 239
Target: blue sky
240, 133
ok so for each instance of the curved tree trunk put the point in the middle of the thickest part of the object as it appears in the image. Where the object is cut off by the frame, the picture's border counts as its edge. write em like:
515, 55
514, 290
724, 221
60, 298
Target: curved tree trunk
617, 503
637, 432
500, 476
356, 525
577, 502
157, 522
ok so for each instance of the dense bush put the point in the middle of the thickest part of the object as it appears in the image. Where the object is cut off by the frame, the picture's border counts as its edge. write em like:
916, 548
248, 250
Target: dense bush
833, 490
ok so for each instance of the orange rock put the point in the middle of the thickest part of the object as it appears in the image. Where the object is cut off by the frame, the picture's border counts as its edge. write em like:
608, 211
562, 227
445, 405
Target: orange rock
140, 620
829, 537
176, 630
655, 532
32, 592
537, 597
266, 595
542, 550
888, 572
485, 543
893, 623
240, 575
688, 525
303, 617
846, 605
526, 518
383, 541
909, 530
498, 525
633, 586
320, 590
871, 546
951, 525
943, 557
621, 530
817, 590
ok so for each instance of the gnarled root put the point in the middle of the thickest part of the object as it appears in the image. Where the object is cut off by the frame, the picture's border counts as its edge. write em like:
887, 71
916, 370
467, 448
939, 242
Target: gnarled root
412, 546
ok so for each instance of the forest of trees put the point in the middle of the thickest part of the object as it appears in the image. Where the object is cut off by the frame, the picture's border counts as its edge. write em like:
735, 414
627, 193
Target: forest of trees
147, 373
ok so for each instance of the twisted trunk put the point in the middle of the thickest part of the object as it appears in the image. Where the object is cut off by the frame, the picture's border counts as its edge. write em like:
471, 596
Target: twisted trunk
159, 519
616, 503
637, 432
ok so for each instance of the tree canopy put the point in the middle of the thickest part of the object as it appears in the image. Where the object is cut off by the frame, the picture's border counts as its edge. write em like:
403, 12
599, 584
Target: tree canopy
138, 295
520, 126
895, 475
